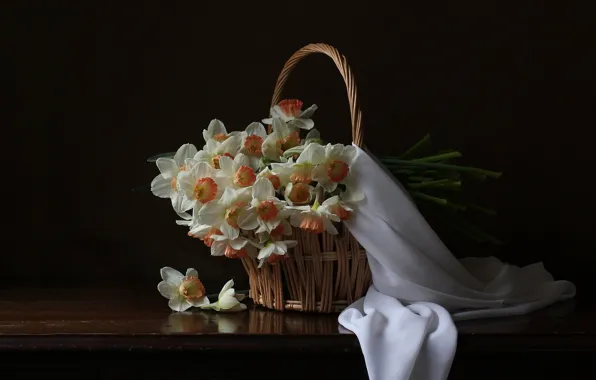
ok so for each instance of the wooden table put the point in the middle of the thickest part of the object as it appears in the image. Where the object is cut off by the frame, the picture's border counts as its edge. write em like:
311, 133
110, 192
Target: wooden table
124, 333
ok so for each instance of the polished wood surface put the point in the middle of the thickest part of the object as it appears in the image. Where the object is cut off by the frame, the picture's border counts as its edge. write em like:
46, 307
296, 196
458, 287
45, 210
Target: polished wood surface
140, 320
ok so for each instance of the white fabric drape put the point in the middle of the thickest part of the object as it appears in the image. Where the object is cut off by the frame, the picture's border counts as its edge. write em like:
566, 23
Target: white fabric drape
405, 321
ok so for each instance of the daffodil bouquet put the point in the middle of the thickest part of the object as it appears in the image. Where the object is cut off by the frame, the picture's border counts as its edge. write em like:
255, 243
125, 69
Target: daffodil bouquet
242, 193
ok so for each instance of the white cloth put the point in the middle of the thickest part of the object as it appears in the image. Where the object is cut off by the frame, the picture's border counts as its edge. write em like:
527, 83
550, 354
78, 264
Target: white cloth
403, 323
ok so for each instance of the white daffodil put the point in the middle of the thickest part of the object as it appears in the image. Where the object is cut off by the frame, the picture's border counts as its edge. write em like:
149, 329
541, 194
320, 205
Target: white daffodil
283, 229
281, 139
238, 170
290, 111
316, 219
301, 171
214, 150
182, 291
228, 300
217, 131
203, 184
165, 184
224, 213
298, 194
276, 180
205, 233
252, 143
353, 192
274, 250
335, 167
266, 211
232, 248
336, 206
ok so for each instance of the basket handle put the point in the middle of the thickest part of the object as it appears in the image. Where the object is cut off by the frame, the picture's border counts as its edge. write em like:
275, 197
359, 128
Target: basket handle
345, 71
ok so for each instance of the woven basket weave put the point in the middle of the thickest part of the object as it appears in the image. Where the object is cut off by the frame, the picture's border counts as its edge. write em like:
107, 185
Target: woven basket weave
324, 273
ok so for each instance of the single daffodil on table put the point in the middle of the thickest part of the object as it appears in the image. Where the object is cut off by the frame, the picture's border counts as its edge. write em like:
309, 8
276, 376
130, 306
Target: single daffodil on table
182, 291
227, 300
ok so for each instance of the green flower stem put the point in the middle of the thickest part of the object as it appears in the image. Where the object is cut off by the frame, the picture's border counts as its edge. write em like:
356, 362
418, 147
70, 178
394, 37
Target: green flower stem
408, 153
436, 183
397, 163
438, 157
430, 198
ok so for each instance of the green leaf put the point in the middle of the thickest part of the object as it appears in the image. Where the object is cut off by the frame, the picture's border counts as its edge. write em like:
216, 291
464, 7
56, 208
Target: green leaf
165, 155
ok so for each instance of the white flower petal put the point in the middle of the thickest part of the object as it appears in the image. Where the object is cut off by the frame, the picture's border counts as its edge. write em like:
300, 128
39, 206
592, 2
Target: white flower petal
229, 231
354, 192
241, 160
179, 304
179, 201
212, 214
202, 170
313, 154
266, 251
171, 276
272, 224
228, 197
226, 287
313, 134
200, 231
227, 300
186, 204
280, 248
192, 272
256, 129
267, 121
307, 113
218, 248
262, 189
301, 123
248, 219
291, 243
280, 127
296, 219
334, 151
190, 162
277, 113
167, 167
215, 127
329, 227
200, 302
270, 148
186, 183
161, 186
230, 145
226, 164
330, 201
238, 243
167, 290
203, 156
184, 152
349, 154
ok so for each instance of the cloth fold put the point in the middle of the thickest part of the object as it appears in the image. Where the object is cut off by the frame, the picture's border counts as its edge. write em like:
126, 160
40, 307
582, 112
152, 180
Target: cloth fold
405, 321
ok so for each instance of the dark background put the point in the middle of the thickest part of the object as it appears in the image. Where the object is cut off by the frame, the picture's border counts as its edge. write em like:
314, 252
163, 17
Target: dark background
94, 88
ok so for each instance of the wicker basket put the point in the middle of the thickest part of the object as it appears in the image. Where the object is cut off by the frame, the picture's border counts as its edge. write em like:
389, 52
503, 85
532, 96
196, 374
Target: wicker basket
323, 273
